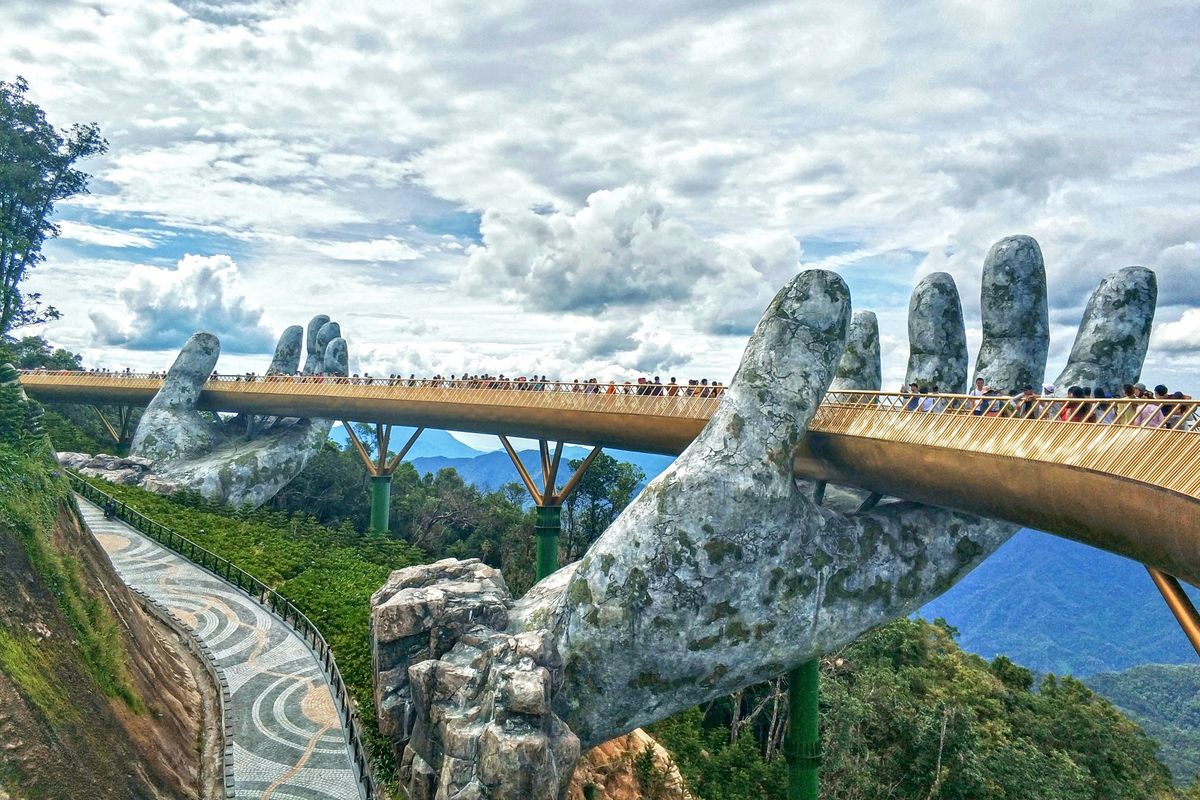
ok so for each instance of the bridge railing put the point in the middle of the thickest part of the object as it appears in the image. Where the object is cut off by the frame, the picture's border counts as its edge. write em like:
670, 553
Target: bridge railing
265, 596
676, 400
1153, 441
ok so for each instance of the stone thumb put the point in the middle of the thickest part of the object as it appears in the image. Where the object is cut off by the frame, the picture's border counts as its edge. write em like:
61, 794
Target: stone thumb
185, 379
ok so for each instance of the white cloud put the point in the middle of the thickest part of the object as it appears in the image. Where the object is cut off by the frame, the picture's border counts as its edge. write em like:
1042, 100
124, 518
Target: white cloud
929, 128
85, 233
160, 308
388, 248
1179, 336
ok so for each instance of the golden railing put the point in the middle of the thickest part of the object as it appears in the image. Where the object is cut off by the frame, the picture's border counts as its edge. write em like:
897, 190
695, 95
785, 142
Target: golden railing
644, 399
1131, 439
1127, 438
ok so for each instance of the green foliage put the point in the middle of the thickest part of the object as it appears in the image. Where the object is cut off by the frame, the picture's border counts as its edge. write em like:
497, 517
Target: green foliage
329, 573
31, 497
37, 169
32, 352
907, 714
1165, 700
437, 512
599, 497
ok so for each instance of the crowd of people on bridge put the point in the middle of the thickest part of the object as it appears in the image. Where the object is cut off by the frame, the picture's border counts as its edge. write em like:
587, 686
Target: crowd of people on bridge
1138, 406
643, 386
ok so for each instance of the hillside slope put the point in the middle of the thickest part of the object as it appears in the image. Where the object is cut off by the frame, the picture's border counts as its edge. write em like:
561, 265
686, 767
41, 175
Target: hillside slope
1057, 606
93, 701
1165, 700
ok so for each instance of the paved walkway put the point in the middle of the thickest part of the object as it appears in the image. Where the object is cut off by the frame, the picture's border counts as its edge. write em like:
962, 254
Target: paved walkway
288, 739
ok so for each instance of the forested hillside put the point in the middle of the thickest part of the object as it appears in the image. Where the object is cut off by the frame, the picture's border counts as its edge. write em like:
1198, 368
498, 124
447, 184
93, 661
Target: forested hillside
1165, 700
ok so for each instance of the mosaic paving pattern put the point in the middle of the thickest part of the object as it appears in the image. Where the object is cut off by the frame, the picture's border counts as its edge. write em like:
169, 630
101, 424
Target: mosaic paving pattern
288, 741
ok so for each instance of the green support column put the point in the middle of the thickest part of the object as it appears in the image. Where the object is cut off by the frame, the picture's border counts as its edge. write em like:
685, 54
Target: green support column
802, 749
548, 527
381, 502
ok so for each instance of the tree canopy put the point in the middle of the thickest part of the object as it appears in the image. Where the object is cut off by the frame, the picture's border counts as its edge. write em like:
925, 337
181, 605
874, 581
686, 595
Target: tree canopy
37, 169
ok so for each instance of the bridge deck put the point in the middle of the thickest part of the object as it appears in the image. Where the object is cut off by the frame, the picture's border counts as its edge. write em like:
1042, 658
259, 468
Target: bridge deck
1130, 489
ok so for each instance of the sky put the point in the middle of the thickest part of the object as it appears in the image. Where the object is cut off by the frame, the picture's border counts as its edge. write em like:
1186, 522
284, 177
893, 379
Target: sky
601, 188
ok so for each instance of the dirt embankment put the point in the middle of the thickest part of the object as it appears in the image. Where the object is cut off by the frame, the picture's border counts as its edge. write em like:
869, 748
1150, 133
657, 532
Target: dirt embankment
630, 767
96, 701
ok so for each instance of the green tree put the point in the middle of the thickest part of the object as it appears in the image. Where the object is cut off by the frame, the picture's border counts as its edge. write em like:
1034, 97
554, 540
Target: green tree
37, 169
599, 497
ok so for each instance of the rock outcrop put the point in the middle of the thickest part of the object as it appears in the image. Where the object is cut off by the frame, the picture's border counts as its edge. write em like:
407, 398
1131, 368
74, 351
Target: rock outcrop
609, 771
467, 705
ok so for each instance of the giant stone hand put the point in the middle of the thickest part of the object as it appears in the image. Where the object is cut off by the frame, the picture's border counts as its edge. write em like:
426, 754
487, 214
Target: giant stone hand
246, 459
724, 571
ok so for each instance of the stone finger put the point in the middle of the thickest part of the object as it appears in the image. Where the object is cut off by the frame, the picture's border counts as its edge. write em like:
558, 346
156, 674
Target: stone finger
785, 371
312, 361
170, 426
337, 357
937, 340
1015, 316
1114, 334
859, 369
287, 352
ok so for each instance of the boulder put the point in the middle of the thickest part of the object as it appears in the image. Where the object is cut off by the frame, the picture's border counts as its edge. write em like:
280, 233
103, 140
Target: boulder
467, 705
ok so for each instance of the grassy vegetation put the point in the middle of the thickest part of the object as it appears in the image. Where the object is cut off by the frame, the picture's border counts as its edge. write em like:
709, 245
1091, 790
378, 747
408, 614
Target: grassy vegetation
328, 573
30, 667
32, 495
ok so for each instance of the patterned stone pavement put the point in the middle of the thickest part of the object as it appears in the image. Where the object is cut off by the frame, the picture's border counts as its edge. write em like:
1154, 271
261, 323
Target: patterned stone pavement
288, 740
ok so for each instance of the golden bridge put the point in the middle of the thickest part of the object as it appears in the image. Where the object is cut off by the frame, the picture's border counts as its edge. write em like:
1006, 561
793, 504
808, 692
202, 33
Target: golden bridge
1085, 470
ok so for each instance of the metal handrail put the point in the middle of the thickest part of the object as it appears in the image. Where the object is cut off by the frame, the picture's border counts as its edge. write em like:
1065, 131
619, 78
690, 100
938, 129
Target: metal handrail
265, 596
1121, 437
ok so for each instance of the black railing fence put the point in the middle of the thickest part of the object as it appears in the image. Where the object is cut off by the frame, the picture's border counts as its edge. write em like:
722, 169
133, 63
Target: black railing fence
265, 596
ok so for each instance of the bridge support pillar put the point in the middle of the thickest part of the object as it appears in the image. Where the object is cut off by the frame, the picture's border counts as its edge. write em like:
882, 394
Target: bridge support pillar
380, 467
548, 498
381, 501
548, 528
802, 748
1180, 605
120, 430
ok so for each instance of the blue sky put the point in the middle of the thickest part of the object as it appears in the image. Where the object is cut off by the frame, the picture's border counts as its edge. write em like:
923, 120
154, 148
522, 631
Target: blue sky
600, 189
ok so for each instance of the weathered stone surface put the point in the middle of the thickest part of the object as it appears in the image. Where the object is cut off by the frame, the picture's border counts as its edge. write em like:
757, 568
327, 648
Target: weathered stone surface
722, 573
1114, 334
1015, 316
859, 368
609, 770
245, 461
466, 705
937, 340
726, 541
287, 353
130, 471
170, 429
315, 358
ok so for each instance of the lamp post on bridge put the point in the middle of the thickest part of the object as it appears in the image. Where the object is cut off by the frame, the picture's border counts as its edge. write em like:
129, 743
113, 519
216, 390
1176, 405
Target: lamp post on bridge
380, 468
548, 499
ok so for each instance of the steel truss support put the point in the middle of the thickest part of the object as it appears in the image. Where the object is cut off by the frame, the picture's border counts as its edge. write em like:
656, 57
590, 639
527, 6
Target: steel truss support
1180, 605
119, 432
548, 498
381, 467
802, 747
